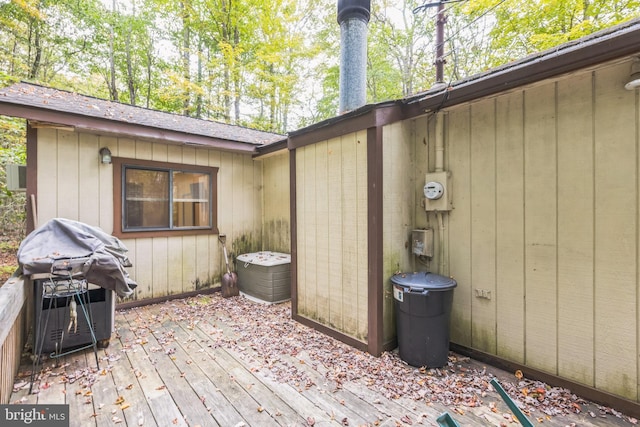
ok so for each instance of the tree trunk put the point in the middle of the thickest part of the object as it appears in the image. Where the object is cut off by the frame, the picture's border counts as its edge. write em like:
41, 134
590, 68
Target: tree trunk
199, 96
130, 79
37, 45
113, 91
236, 80
149, 72
186, 58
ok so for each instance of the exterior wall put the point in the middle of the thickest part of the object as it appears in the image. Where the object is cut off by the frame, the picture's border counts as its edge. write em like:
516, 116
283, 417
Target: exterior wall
545, 218
401, 165
332, 247
74, 185
276, 227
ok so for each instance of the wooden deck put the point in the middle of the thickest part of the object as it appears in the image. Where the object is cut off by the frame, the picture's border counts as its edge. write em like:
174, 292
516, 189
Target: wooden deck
208, 361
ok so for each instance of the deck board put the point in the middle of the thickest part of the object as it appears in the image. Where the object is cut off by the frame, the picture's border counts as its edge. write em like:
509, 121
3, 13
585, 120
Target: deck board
257, 404
331, 404
206, 361
179, 403
123, 383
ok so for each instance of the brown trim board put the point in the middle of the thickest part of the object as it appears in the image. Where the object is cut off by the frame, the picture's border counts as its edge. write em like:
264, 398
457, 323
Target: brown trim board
32, 176
374, 240
331, 332
117, 165
293, 233
158, 300
274, 147
627, 407
375, 115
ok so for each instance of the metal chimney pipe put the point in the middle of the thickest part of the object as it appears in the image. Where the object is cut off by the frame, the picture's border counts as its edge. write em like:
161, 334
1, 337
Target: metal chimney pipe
353, 17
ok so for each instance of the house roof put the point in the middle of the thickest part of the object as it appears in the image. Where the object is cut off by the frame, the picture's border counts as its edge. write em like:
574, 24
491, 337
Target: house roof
62, 108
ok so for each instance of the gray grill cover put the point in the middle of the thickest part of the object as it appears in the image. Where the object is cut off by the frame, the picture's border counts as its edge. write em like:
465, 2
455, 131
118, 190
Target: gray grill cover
101, 258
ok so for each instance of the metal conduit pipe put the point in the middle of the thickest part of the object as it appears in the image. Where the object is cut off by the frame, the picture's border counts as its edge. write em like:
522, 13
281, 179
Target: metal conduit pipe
439, 148
439, 167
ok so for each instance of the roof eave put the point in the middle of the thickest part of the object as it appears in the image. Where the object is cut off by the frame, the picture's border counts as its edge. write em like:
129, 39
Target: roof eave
113, 127
271, 148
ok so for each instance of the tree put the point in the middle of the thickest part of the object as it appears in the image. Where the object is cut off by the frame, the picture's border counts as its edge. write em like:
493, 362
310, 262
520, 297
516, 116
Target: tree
401, 49
538, 25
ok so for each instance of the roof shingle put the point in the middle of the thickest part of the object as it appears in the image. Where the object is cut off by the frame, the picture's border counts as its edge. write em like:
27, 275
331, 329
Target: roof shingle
45, 98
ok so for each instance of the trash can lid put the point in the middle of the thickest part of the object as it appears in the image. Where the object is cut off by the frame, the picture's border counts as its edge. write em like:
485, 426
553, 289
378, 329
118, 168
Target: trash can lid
423, 281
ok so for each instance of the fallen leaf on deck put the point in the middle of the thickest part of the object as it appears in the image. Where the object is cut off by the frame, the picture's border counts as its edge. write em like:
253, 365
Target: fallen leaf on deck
405, 419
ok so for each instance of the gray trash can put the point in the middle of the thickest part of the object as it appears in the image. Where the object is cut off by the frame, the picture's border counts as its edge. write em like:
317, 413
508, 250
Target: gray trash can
423, 308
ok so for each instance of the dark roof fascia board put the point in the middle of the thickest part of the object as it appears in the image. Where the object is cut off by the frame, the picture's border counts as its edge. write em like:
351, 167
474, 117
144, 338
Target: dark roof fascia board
573, 56
119, 128
368, 116
270, 148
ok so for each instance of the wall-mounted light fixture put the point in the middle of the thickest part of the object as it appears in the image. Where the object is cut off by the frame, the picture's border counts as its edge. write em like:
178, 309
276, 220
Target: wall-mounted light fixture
105, 156
634, 78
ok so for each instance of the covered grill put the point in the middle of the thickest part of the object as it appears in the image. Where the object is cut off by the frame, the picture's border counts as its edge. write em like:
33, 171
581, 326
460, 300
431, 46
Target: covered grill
100, 257
75, 270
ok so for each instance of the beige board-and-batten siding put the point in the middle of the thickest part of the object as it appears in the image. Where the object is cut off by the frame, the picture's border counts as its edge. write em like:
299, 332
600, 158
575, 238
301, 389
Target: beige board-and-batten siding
73, 184
332, 242
545, 218
404, 162
276, 228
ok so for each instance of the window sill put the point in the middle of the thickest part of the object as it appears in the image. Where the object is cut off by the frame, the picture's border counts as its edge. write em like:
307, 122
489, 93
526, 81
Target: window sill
163, 233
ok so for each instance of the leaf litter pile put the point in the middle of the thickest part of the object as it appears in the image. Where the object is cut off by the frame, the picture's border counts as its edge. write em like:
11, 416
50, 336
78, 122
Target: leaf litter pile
266, 336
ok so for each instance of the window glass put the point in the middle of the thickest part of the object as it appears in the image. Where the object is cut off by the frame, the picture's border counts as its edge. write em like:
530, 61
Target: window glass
165, 199
191, 195
146, 198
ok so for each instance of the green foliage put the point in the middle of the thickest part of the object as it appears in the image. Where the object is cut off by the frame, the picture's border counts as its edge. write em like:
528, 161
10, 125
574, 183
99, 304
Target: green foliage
12, 151
12, 145
267, 64
538, 25
270, 64
400, 47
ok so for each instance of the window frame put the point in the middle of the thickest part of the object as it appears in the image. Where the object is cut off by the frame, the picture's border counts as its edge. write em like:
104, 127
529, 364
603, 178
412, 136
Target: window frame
120, 163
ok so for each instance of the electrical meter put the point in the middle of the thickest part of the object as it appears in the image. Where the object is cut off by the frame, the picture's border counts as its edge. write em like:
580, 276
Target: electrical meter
433, 190
437, 192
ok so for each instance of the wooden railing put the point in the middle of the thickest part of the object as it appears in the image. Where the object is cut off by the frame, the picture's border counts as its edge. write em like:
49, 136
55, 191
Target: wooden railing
15, 295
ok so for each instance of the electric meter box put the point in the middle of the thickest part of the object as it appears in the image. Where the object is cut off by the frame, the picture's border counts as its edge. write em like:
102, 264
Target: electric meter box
437, 191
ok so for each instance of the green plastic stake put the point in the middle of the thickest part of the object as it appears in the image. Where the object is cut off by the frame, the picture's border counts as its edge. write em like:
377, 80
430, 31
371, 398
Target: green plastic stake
446, 420
510, 403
